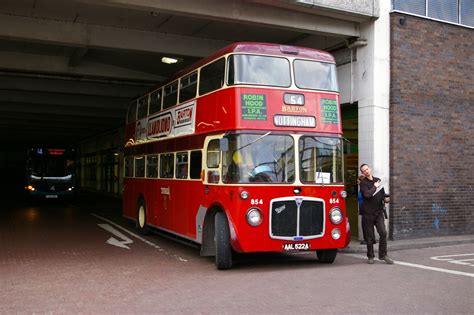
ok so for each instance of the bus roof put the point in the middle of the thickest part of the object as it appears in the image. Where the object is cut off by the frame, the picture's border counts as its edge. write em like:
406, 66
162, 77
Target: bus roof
261, 48
251, 47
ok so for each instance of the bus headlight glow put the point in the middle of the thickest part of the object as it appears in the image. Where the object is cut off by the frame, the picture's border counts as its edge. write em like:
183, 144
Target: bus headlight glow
244, 194
254, 216
336, 233
335, 215
30, 188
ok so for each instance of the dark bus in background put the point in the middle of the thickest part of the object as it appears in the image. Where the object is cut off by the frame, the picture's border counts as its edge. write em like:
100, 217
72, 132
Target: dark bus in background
50, 173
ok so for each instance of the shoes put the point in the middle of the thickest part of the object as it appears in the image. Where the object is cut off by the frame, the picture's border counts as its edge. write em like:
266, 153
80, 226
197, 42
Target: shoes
370, 261
388, 260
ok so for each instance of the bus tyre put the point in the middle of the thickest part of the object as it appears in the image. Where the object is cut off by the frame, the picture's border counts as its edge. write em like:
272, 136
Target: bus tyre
141, 218
222, 242
326, 256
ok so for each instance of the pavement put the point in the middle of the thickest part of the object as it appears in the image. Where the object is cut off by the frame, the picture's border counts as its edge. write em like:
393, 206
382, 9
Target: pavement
355, 246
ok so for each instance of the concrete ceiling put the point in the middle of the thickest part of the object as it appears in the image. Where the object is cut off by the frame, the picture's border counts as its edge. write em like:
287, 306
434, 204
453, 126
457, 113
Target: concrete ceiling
68, 69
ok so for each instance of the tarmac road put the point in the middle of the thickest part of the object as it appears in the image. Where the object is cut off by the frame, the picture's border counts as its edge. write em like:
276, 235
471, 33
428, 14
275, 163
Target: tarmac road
83, 258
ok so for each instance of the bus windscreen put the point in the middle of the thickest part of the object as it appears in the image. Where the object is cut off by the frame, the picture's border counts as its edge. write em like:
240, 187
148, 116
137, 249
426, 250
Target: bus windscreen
254, 158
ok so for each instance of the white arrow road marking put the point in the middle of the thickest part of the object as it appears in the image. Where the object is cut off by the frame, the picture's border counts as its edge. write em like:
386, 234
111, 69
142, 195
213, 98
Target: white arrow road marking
113, 241
138, 237
131, 233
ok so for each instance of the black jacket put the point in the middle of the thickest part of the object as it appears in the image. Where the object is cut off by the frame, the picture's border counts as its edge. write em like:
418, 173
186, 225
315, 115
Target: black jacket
371, 205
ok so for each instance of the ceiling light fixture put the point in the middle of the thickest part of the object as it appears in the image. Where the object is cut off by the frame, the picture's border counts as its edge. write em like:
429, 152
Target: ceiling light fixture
169, 60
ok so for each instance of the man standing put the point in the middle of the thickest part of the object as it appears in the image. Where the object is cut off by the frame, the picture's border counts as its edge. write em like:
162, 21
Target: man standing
373, 199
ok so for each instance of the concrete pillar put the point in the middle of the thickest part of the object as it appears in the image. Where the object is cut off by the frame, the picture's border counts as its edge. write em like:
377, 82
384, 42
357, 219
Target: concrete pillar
373, 62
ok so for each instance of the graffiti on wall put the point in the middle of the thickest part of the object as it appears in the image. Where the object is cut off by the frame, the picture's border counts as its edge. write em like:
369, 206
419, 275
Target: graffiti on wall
438, 212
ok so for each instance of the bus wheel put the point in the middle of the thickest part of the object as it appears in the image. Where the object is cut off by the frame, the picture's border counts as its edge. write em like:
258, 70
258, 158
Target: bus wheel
326, 256
222, 242
141, 218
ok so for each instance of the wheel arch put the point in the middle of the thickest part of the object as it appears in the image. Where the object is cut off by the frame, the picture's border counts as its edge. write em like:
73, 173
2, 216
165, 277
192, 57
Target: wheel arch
208, 247
141, 197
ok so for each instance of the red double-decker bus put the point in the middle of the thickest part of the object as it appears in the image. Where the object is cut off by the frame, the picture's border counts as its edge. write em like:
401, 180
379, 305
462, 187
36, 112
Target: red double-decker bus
242, 152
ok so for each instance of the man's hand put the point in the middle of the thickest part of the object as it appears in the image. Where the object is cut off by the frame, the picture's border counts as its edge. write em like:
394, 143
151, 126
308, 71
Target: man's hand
377, 184
386, 199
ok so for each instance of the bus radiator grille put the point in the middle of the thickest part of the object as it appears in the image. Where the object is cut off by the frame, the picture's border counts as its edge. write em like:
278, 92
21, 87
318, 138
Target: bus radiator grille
284, 218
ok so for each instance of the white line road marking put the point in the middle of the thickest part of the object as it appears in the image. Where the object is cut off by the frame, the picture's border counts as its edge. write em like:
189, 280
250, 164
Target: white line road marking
113, 241
452, 259
397, 262
463, 262
138, 237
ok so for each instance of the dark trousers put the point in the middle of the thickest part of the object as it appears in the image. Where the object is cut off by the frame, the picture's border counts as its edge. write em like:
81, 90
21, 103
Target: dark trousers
368, 223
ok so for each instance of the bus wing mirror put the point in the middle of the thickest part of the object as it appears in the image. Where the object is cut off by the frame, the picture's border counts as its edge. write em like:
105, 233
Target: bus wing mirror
224, 144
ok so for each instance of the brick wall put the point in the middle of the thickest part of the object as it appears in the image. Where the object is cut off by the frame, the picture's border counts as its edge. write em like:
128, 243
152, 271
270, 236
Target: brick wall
431, 128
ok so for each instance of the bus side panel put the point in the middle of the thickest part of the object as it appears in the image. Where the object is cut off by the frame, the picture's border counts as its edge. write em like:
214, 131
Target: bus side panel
218, 114
164, 205
129, 198
171, 204
186, 197
154, 202
157, 204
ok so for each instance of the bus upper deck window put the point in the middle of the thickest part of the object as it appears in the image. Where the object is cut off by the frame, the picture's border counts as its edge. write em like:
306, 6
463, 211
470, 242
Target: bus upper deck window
188, 87
259, 70
142, 109
170, 95
212, 77
315, 75
155, 101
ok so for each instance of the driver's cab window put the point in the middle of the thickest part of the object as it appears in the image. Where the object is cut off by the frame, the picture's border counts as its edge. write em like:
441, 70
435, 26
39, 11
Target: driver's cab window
321, 160
213, 161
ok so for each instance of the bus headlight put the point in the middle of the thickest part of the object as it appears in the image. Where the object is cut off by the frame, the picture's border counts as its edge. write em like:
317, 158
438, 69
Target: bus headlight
336, 233
244, 194
344, 194
254, 216
335, 215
